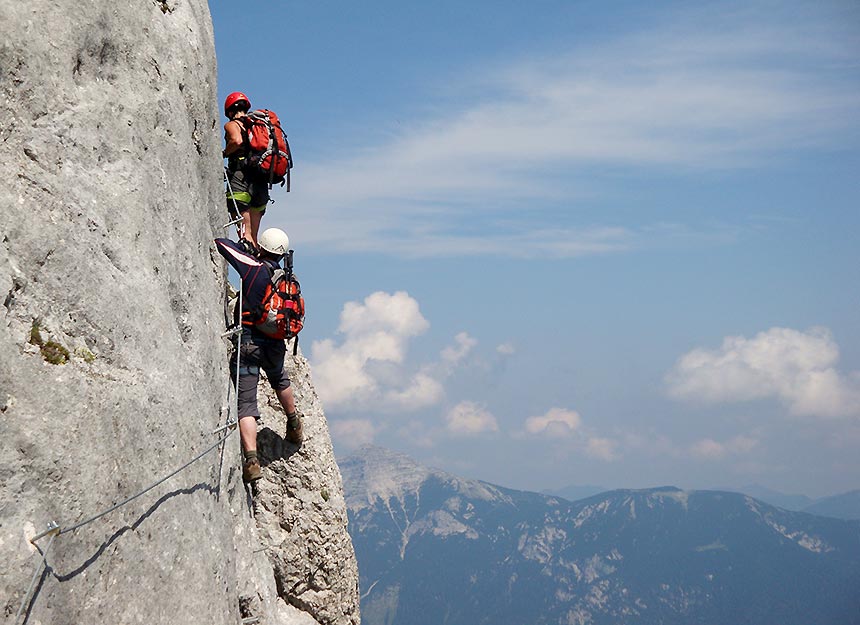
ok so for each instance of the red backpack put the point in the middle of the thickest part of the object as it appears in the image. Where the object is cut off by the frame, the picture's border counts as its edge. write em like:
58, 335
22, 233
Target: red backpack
281, 315
268, 148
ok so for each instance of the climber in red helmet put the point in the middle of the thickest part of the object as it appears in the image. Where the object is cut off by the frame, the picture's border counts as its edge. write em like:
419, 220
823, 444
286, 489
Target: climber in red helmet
247, 191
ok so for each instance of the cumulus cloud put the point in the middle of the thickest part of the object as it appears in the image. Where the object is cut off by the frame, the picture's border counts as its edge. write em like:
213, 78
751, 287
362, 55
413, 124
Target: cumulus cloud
555, 422
367, 368
794, 367
506, 349
566, 429
469, 418
456, 353
709, 449
601, 448
421, 392
376, 330
353, 433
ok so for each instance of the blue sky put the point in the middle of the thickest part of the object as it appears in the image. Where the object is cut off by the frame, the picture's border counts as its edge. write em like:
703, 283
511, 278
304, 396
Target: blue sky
559, 243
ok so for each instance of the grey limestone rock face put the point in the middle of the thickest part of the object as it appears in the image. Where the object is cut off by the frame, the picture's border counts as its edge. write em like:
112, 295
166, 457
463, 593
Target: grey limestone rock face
112, 366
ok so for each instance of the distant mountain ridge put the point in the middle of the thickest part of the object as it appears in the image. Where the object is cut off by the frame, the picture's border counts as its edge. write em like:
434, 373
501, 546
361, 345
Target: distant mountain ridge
844, 506
437, 549
575, 492
841, 506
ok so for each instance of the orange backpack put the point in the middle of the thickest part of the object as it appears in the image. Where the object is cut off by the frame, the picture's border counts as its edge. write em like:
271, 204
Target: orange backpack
268, 148
281, 314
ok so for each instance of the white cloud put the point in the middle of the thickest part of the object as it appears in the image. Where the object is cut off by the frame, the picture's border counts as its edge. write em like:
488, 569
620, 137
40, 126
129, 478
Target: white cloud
566, 430
421, 392
468, 418
556, 422
601, 448
506, 349
352, 433
797, 368
339, 373
712, 92
709, 449
455, 353
374, 331
396, 314
367, 368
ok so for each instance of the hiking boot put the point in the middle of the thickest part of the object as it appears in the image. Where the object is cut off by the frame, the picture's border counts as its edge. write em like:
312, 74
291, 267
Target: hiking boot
294, 431
251, 470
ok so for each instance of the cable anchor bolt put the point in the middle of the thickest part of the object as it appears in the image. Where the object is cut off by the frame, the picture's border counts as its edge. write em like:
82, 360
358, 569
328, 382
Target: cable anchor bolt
52, 530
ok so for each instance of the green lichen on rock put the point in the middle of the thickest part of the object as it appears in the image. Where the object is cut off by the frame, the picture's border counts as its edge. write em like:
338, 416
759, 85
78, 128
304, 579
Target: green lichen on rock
36, 335
85, 354
52, 351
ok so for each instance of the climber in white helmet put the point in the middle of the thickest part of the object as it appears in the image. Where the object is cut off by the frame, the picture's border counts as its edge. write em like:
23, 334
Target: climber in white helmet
258, 350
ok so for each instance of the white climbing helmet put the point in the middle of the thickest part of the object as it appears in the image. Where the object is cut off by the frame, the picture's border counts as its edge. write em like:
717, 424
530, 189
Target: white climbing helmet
275, 241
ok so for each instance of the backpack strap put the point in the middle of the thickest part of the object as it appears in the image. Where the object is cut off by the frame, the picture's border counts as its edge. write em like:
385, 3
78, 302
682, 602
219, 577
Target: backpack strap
246, 141
274, 273
236, 160
289, 167
277, 274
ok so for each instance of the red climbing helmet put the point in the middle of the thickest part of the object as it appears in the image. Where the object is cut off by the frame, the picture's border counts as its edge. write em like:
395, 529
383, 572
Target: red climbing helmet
234, 98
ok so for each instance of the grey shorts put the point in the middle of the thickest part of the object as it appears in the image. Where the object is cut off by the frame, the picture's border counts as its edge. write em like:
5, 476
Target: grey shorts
258, 353
248, 191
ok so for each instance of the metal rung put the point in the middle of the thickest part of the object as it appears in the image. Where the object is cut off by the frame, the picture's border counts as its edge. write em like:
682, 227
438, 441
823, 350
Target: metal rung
225, 427
233, 223
232, 331
251, 621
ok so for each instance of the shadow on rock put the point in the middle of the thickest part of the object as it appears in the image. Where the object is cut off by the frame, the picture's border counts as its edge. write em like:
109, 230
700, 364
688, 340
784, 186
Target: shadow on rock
63, 577
271, 446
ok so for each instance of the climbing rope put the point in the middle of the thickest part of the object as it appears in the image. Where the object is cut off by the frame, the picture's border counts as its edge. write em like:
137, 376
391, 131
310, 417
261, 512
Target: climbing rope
55, 530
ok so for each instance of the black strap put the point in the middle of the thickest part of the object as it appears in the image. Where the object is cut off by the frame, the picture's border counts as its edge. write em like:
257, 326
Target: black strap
289, 161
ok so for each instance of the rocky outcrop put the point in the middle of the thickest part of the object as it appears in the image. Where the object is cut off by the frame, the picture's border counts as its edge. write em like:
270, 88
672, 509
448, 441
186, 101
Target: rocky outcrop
300, 509
112, 366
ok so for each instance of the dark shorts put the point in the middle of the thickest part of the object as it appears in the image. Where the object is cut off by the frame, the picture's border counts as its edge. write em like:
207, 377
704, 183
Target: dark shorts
258, 353
249, 191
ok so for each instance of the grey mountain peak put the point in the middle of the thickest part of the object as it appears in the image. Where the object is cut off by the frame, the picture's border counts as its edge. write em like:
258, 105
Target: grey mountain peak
376, 473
